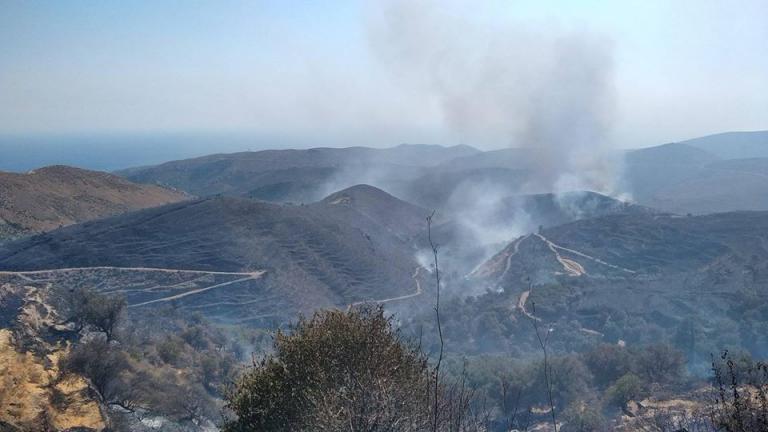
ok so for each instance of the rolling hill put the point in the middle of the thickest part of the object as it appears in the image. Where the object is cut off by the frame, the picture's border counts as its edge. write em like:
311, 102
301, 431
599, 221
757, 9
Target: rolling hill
55, 196
733, 145
718, 173
235, 259
548, 210
364, 206
727, 185
649, 171
293, 175
683, 178
643, 277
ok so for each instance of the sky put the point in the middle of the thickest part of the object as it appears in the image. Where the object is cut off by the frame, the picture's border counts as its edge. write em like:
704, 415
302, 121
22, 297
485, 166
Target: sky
487, 74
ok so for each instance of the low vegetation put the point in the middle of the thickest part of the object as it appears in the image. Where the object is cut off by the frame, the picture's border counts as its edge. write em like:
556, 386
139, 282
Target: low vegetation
171, 365
346, 371
741, 394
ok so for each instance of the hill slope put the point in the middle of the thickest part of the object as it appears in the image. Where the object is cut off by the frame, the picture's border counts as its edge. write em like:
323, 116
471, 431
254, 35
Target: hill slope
733, 145
689, 178
232, 258
641, 278
650, 170
55, 196
728, 185
365, 206
293, 175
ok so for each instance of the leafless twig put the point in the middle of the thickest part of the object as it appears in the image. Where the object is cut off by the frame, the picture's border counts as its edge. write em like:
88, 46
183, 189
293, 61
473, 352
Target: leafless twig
439, 327
543, 341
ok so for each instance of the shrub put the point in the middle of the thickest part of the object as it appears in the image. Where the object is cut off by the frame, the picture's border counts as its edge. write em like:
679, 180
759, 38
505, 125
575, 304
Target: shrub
608, 363
170, 350
337, 371
741, 395
100, 362
661, 364
86, 307
581, 416
627, 388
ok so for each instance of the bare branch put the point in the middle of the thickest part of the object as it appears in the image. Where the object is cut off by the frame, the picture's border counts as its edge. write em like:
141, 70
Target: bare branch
439, 326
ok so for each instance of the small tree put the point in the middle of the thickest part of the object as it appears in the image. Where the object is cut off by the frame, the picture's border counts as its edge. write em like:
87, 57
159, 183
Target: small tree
625, 389
339, 371
87, 307
608, 363
101, 363
660, 363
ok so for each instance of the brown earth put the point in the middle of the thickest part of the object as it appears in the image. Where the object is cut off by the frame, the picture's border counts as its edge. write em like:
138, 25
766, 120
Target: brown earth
34, 394
55, 196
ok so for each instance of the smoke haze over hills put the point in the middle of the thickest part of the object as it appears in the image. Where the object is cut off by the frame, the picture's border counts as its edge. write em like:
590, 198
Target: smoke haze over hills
510, 86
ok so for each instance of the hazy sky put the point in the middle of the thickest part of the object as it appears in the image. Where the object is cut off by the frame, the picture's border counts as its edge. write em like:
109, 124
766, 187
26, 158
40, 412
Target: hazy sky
323, 72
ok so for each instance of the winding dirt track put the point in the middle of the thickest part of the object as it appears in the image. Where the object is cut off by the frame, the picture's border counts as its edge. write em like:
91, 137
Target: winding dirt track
509, 258
521, 305
572, 267
402, 297
248, 276
23, 274
197, 291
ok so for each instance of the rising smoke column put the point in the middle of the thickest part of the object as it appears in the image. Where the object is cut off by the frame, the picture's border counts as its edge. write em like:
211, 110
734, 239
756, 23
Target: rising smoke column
506, 84
509, 84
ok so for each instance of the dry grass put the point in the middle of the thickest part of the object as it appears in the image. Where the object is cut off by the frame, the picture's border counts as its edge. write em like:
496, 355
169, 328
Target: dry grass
27, 386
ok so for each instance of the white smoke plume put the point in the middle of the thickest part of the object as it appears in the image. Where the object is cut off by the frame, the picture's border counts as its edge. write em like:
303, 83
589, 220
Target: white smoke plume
505, 84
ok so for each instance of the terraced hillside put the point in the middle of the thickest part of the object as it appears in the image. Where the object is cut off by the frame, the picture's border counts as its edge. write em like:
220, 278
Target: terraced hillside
643, 247
638, 277
234, 259
55, 196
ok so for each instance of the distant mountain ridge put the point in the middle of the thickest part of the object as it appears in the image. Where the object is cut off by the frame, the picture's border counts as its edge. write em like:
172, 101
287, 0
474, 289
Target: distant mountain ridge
686, 177
717, 173
733, 145
292, 175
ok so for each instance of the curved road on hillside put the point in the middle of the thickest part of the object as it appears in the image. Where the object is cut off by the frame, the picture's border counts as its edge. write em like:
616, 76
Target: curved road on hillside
248, 276
402, 297
569, 264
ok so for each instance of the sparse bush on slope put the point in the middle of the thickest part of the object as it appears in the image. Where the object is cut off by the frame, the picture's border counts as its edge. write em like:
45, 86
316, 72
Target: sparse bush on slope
86, 307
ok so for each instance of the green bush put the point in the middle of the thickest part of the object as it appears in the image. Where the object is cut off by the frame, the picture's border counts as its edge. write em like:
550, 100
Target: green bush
343, 371
336, 370
627, 388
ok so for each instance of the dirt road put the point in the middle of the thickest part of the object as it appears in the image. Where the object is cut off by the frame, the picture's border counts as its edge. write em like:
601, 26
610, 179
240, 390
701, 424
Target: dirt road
197, 291
521, 305
25, 275
402, 297
571, 266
